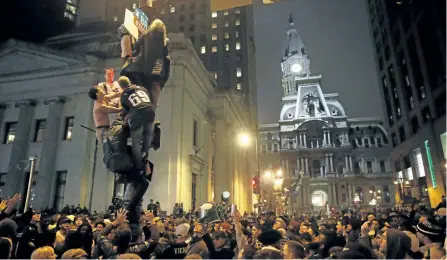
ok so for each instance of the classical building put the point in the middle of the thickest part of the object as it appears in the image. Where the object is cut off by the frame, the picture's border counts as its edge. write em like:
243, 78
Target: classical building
45, 108
410, 51
343, 161
223, 40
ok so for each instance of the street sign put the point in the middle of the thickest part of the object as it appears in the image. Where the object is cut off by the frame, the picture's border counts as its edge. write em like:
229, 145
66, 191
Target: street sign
129, 23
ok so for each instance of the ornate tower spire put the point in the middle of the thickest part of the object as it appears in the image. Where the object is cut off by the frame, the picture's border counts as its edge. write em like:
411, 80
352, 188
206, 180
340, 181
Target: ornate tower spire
294, 44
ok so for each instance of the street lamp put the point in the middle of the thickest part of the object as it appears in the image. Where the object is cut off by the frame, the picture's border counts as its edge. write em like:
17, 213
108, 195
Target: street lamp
268, 174
279, 173
244, 139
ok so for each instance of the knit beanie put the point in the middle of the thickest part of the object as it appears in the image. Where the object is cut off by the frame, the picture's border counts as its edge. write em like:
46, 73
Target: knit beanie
430, 227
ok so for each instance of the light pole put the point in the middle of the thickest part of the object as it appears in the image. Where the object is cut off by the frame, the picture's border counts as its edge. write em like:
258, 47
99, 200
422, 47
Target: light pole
30, 182
244, 140
95, 155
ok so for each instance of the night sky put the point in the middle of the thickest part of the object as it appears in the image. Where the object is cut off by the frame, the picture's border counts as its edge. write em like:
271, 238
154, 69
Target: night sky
336, 37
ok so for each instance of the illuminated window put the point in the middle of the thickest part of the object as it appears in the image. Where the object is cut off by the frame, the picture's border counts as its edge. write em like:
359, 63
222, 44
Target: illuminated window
227, 47
227, 24
69, 16
409, 173
214, 49
115, 18
69, 123
419, 163
203, 50
238, 22
172, 9
10, 133
215, 75
238, 86
227, 36
238, 72
40, 130
214, 37
214, 14
226, 13
237, 11
237, 34
134, 5
214, 25
238, 45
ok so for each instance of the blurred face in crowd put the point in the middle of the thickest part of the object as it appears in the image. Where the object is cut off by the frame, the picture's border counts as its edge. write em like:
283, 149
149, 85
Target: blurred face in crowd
348, 228
198, 230
78, 221
394, 222
218, 242
376, 224
321, 228
84, 230
320, 238
303, 229
99, 227
110, 75
65, 226
371, 217
36, 218
255, 232
339, 227
278, 224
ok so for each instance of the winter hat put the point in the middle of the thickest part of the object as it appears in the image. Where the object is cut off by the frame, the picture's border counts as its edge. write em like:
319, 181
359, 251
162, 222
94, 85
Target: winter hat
283, 219
295, 224
269, 237
182, 230
8, 228
430, 227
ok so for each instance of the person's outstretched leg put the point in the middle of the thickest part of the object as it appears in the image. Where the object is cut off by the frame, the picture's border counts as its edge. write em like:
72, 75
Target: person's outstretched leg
135, 190
136, 136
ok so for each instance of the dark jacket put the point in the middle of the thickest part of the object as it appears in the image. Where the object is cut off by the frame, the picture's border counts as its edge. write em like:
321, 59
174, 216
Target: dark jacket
221, 253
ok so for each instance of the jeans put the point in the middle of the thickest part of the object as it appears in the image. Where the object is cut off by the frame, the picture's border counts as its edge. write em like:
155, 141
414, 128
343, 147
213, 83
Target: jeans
141, 142
137, 185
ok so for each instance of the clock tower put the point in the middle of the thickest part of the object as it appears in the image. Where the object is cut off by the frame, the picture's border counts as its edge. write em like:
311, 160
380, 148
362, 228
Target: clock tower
295, 61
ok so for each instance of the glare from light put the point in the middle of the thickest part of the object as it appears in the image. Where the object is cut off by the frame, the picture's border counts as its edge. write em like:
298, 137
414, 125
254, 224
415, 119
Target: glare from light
268, 174
407, 182
379, 191
296, 68
370, 191
226, 194
244, 139
316, 200
373, 202
395, 182
279, 173
278, 182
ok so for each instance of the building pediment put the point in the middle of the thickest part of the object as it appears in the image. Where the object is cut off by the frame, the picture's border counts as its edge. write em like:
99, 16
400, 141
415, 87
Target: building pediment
19, 57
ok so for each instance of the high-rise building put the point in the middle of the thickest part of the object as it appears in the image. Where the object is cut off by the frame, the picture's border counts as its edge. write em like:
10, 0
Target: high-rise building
409, 39
322, 156
224, 40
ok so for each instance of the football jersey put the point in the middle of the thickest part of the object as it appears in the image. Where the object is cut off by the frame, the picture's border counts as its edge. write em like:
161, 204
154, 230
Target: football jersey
137, 104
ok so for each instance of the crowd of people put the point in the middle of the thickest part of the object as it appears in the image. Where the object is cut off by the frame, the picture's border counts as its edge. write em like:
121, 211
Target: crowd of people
413, 232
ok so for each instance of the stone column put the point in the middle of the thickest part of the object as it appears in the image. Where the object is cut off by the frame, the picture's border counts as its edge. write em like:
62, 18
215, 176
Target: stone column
329, 194
350, 163
321, 171
348, 189
346, 164
300, 139
329, 141
327, 163
334, 193
15, 178
304, 140
222, 160
306, 165
46, 187
286, 172
331, 162
303, 167
324, 138
298, 166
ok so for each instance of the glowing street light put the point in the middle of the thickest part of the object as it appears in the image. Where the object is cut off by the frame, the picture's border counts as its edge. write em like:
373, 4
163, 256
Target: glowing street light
278, 182
268, 174
279, 173
395, 182
370, 191
244, 139
407, 182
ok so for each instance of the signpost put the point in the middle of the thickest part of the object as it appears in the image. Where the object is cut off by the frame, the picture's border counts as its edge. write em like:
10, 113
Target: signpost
136, 22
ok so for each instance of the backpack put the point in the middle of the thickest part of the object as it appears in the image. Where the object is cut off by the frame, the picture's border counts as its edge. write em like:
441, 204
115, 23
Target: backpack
116, 157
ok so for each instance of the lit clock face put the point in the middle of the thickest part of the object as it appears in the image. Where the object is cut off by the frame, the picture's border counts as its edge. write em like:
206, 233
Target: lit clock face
296, 68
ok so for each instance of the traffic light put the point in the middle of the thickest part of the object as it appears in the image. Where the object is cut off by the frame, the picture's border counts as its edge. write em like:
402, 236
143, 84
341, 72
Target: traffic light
256, 185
